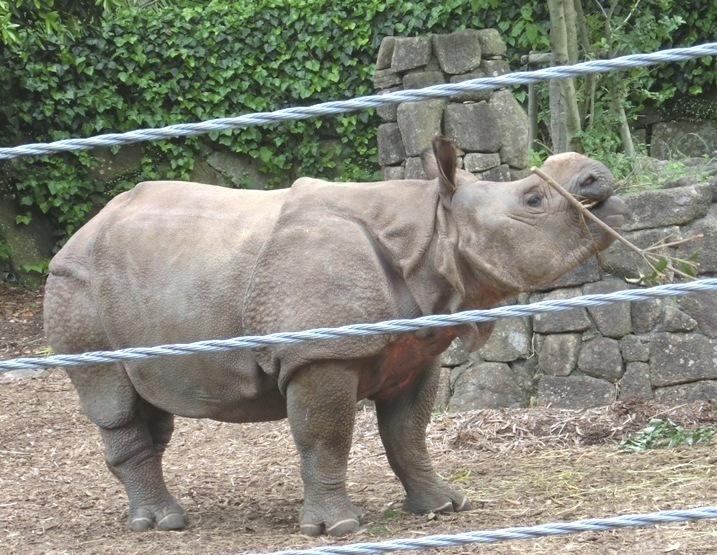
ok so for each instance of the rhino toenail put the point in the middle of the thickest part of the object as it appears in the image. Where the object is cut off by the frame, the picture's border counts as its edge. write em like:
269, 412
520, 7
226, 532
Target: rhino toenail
341, 523
443, 508
143, 522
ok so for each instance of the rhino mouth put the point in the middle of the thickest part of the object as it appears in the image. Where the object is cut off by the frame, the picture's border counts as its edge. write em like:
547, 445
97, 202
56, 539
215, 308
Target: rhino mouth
613, 211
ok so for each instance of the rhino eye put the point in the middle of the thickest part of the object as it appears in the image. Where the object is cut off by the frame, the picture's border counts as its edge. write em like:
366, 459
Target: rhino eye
534, 200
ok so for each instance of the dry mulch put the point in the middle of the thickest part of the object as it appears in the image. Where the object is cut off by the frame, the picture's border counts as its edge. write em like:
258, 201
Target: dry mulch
20, 321
240, 483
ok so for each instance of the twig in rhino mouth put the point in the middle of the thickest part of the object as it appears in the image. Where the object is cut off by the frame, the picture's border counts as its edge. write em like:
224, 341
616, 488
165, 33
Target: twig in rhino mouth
657, 264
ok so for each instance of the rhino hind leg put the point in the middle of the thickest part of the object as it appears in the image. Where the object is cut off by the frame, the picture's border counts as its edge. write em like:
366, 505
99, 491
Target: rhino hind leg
135, 435
134, 432
402, 422
133, 453
321, 402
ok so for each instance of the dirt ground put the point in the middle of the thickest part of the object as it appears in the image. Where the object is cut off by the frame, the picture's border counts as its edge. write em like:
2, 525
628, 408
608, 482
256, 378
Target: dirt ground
240, 483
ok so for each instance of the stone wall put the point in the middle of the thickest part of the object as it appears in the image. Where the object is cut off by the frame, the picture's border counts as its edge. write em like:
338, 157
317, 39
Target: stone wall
676, 139
684, 128
29, 245
489, 127
662, 349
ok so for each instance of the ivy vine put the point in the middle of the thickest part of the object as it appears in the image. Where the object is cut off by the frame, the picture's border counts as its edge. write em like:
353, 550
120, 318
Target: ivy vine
190, 62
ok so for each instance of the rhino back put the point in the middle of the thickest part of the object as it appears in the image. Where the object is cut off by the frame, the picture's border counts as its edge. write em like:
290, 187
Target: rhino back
165, 259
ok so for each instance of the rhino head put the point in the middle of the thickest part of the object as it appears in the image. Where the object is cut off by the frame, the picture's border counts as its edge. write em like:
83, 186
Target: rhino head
521, 235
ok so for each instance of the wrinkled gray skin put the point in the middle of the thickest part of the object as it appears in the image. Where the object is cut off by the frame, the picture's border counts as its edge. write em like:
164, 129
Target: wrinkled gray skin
176, 262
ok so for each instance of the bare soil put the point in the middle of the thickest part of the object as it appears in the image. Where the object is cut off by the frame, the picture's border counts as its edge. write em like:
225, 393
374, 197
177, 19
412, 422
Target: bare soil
240, 483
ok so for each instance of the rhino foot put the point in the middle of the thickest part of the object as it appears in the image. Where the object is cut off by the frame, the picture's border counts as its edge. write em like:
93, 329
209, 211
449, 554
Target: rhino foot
443, 500
171, 517
318, 519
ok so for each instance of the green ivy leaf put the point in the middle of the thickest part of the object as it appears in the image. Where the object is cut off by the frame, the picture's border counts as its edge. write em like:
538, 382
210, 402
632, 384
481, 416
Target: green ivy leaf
169, 63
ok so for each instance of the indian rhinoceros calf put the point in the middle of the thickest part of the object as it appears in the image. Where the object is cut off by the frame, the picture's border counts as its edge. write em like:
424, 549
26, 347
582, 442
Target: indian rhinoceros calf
172, 262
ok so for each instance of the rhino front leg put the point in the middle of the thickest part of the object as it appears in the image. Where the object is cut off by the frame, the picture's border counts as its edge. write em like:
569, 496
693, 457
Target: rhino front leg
402, 422
321, 404
135, 435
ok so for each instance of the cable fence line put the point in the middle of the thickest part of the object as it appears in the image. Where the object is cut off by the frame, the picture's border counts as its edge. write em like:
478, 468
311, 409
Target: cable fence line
397, 325
389, 326
505, 534
372, 101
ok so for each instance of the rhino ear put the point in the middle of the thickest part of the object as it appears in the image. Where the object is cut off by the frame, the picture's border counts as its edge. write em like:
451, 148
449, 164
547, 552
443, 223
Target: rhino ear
428, 162
446, 160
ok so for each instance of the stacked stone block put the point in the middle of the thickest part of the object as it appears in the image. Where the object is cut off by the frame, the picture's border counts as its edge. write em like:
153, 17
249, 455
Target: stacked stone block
662, 349
490, 128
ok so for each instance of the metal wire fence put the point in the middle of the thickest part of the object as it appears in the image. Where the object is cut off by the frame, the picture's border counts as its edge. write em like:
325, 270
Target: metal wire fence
208, 346
342, 106
390, 326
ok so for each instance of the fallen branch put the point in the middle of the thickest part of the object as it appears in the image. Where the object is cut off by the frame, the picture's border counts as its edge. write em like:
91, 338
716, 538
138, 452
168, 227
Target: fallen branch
661, 245
657, 264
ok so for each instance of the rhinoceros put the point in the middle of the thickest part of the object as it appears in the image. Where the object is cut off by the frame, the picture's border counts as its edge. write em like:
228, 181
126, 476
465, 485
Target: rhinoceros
175, 262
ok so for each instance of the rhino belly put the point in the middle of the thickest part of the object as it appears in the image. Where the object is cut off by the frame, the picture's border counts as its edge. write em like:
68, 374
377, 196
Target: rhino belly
227, 386
224, 386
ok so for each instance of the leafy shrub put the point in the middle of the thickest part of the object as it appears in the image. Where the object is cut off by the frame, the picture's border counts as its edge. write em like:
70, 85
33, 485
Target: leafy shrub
54, 17
187, 62
663, 432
